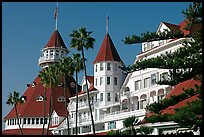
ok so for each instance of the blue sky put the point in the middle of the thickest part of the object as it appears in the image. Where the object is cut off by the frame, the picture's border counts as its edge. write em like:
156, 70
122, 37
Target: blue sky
27, 27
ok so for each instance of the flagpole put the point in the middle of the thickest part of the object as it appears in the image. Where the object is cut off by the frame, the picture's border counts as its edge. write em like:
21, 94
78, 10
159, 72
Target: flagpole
56, 15
107, 18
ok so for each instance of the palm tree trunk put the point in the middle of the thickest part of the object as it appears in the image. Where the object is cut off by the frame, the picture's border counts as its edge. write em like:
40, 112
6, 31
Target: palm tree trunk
44, 111
50, 110
76, 99
18, 119
65, 104
83, 59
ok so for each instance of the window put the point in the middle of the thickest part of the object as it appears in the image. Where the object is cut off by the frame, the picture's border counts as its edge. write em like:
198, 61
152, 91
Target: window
61, 99
84, 88
24, 120
28, 120
39, 98
95, 68
108, 66
108, 80
138, 85
33, 120
37, 120
164, 76
19, 120
143, 104
41, 120
96, 97
116, 67
45, 120
101, 66
101, 80
153, 79
146, 82
96, 82
115, 81
116, 97
101, 96
108, 97
112, 125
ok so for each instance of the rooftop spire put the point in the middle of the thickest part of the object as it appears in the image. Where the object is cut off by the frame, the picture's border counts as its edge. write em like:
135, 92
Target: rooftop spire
107, 19
56, 15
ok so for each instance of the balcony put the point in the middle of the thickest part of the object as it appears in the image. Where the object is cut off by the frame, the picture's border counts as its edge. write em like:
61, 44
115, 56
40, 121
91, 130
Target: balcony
50, 58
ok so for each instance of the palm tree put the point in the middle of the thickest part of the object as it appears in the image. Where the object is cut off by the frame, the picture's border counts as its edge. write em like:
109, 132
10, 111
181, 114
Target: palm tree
144, 130
51, 74
78, 65
43, 78
81, 39
129, 123
14, 99
66, 69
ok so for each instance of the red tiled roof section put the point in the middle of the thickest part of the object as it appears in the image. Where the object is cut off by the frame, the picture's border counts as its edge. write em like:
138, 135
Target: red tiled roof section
171, 109
37, 106
55, 41
107, 51
90, 79
26, 131
194, 28
179, 88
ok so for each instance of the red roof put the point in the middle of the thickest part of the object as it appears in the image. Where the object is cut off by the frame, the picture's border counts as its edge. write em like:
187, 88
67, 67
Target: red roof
107, 51
26, 131
171, 109
186, 85
90, 79
181, 26
55, 41
176, 91
37, 106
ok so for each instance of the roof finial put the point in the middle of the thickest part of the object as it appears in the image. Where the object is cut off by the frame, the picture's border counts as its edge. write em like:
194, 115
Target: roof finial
56, 14
107, 19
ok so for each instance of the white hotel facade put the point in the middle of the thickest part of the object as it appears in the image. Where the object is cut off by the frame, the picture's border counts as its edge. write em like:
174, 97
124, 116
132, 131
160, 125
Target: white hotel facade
114, 94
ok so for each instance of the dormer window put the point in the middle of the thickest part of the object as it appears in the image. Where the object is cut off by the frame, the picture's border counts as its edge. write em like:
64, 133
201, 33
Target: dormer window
61, 99
34, 84
24, 98
72, 84
39, 98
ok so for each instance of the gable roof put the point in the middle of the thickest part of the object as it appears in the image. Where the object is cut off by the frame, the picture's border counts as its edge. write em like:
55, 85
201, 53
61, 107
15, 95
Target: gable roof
55, 41
107, 51
32, 92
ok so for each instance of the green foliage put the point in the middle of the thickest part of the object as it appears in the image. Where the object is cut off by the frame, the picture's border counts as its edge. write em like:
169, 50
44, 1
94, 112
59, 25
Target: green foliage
114, 132
159, 118
156, 107
144, 130
153, 36
14, 99
129, 121
186, 62
189, 115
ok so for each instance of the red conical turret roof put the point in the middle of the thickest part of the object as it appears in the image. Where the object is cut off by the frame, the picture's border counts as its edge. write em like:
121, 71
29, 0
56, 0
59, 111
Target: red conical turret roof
55, 41
107, 51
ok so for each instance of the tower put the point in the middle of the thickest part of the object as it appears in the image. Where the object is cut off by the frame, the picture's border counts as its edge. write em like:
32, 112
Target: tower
53, 51
108, 78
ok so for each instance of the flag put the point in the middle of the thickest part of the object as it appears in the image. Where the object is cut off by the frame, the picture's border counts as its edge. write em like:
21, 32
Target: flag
55, 13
